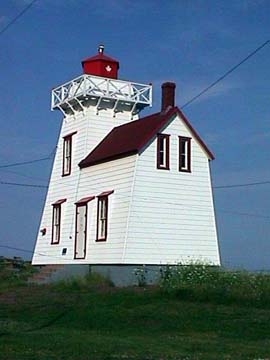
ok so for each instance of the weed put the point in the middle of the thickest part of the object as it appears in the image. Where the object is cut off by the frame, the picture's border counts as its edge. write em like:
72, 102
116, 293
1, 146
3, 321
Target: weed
203, 282
141, 276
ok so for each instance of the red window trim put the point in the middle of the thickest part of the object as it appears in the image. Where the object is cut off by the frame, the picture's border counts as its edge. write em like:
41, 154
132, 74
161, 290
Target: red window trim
59, 202
188, 139
56, 205
104, 196
66, 138
70, 134
105, 193
167, 144
84, 200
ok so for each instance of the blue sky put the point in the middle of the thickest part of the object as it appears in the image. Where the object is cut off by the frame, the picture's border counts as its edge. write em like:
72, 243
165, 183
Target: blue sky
189, 42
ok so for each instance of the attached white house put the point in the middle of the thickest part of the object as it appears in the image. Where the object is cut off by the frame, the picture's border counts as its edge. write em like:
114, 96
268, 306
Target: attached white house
125, 190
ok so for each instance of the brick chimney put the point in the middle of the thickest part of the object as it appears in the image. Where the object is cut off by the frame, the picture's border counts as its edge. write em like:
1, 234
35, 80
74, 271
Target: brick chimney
168, 91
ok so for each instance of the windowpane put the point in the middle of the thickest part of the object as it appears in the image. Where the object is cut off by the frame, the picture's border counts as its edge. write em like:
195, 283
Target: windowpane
161, 158
183, 146
161, 146
183, 161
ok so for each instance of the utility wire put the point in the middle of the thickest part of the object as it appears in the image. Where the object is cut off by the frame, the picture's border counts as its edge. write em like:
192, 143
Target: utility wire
24, 163
226, 74
183, 106
241, 185
31, 252
29, 161
243, 214
17, 17
22, 175
25, 185
156, 200
214, 187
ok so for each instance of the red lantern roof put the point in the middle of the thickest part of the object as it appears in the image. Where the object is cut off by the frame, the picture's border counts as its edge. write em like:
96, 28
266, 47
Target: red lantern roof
101, 65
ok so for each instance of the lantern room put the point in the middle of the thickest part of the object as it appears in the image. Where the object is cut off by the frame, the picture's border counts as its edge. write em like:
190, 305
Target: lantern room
99, 87
101, 65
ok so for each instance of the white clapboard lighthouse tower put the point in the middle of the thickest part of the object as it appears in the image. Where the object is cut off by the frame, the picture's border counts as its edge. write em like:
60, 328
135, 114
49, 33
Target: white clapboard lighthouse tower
125, 190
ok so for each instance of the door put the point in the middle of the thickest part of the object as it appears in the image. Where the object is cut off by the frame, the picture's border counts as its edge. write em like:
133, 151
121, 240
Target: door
80, 231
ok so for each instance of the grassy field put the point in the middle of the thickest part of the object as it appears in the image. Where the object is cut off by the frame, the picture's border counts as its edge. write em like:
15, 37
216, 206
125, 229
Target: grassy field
84, 320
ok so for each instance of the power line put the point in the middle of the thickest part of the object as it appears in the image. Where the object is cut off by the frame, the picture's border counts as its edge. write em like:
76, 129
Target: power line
226, 74
22, 175
214, 187
241, 185
24, 162
186, 104
29, 161
17, 17
243, 214
30, 251
25, 185
15, 248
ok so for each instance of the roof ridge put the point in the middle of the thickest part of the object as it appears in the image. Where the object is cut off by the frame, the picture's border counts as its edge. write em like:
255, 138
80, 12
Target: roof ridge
140, 119
132, 137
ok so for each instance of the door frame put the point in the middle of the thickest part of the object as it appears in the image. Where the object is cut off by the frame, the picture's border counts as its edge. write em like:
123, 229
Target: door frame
85, 230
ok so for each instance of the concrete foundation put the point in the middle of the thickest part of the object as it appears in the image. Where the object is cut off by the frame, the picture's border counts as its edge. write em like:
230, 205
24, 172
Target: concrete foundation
68, 272
128, 275
120, 275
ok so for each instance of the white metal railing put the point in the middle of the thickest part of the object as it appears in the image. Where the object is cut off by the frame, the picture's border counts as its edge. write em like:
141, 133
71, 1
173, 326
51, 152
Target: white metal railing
88, 85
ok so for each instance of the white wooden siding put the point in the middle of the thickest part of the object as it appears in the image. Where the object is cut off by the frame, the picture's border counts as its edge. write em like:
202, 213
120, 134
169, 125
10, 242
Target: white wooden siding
155, 216
172, 216
116, 175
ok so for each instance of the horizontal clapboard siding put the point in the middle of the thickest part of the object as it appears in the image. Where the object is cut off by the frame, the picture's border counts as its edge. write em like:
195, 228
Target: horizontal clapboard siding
172, 216
116, 175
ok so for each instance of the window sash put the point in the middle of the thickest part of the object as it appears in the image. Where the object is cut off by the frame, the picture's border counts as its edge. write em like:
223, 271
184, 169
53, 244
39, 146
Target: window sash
102, 219
56, 224
163, 151
184, 154
67, 154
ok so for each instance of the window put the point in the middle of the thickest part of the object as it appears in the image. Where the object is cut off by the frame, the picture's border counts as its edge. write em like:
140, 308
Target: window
163, 151
67, 153
184, 154
56, 221
102, 216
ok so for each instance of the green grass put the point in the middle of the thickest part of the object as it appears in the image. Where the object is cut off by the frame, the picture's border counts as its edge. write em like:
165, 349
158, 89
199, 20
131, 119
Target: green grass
85, 320
14, 276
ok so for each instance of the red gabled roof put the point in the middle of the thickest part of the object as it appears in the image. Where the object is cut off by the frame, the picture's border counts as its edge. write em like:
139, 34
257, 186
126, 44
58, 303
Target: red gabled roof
130, 138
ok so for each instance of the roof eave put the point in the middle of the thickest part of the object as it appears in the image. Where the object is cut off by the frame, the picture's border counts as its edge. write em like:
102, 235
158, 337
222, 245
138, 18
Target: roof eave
197, 136
83, 165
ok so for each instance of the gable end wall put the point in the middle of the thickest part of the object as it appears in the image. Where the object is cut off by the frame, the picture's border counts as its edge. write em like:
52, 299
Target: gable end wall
172, 216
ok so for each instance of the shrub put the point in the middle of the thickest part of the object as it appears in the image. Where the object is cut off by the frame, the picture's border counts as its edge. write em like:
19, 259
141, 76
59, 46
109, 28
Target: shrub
203, 282
14, 273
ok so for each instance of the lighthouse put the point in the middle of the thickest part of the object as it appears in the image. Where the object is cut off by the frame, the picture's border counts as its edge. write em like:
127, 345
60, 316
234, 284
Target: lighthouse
125, 190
